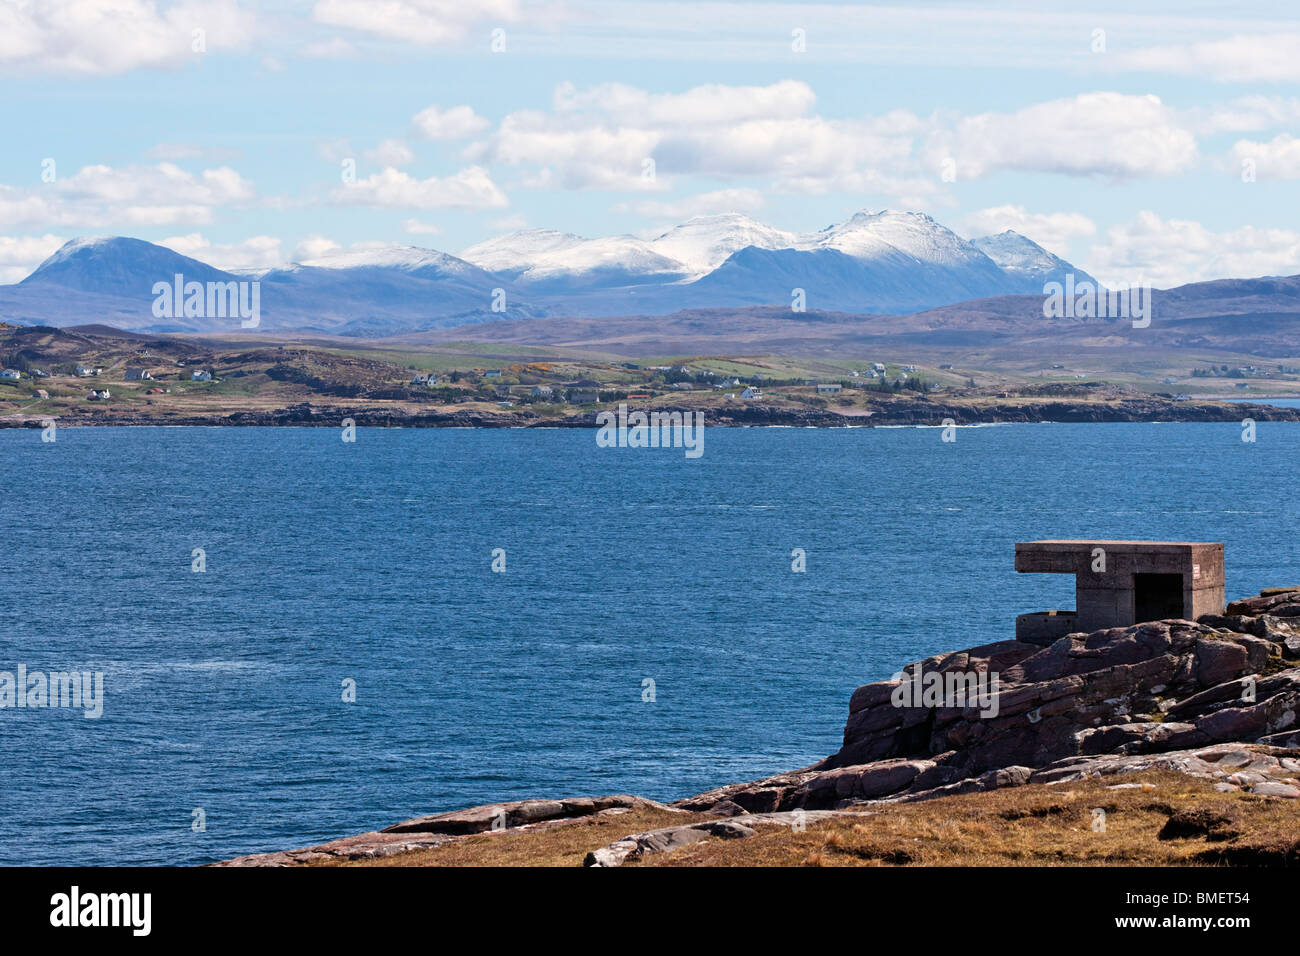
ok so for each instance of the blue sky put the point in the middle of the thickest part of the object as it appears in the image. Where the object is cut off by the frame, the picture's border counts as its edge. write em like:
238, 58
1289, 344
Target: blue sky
1159, 145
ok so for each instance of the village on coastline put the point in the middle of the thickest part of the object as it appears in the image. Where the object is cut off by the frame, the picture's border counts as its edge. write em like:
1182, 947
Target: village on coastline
99, 375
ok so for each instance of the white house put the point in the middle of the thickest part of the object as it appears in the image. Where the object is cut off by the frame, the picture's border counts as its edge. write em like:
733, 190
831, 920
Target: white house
543, 391
84, 371
829, 389
11, 374
138, 375
201, 376
751, 392
492, 373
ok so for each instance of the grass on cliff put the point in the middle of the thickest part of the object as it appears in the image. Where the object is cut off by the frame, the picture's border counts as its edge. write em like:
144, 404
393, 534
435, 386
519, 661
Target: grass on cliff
1036, 826
1026, 826
566, 844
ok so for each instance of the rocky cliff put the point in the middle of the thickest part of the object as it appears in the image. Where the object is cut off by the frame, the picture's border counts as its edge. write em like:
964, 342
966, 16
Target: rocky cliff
1155, 695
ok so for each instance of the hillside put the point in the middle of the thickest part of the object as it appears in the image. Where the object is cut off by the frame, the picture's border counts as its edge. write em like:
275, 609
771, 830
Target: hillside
253, 379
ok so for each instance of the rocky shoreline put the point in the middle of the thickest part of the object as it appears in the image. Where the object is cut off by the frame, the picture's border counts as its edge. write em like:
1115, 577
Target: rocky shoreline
1215, 699
899, 412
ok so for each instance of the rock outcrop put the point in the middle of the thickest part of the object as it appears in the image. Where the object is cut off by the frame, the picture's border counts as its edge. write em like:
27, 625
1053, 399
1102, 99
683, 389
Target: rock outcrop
1160, 695
422, 833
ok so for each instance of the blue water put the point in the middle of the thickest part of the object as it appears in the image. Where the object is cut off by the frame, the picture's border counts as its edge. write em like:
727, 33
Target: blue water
372, 561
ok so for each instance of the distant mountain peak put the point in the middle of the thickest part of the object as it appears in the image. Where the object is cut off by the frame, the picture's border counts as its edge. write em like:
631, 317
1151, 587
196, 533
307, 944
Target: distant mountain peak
393, 256
72, 246
1020, 256
118, 265
702, 243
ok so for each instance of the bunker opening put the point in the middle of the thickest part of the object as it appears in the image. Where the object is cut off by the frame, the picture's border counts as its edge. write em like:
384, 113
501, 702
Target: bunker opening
1157, 597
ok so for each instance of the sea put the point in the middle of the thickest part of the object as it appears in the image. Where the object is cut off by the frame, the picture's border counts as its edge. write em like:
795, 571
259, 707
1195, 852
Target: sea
302, 637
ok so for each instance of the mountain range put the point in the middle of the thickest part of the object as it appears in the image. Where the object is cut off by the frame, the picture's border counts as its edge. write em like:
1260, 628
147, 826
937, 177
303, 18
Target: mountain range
886, 262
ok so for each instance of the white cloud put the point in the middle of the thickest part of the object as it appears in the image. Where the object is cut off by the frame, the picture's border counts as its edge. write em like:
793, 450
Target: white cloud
257, 253
104, 196
706, 105
1053, 230
313, 247
1171, 252
162, 183
19, 255
1115, 135
1279, 158
423, 22
1243, 58
459, 122
115, 36
618, 137
1246, 114
391, 152
471, 188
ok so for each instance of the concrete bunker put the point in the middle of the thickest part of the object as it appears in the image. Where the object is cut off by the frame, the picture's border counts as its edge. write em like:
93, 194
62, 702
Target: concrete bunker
1122, 583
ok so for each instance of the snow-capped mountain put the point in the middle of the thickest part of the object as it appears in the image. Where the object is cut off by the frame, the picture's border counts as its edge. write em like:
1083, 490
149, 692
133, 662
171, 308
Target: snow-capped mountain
536, 257
516, 252
872, 262
1023, 257
704, 243
409, 259
886, 261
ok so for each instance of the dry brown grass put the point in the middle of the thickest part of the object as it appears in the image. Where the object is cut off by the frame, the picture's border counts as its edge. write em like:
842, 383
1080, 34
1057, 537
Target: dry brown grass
563, 845
1032, 826
1026, 826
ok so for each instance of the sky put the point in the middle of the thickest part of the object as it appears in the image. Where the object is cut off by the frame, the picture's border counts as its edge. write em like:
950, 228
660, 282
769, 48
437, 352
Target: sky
1158, 146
